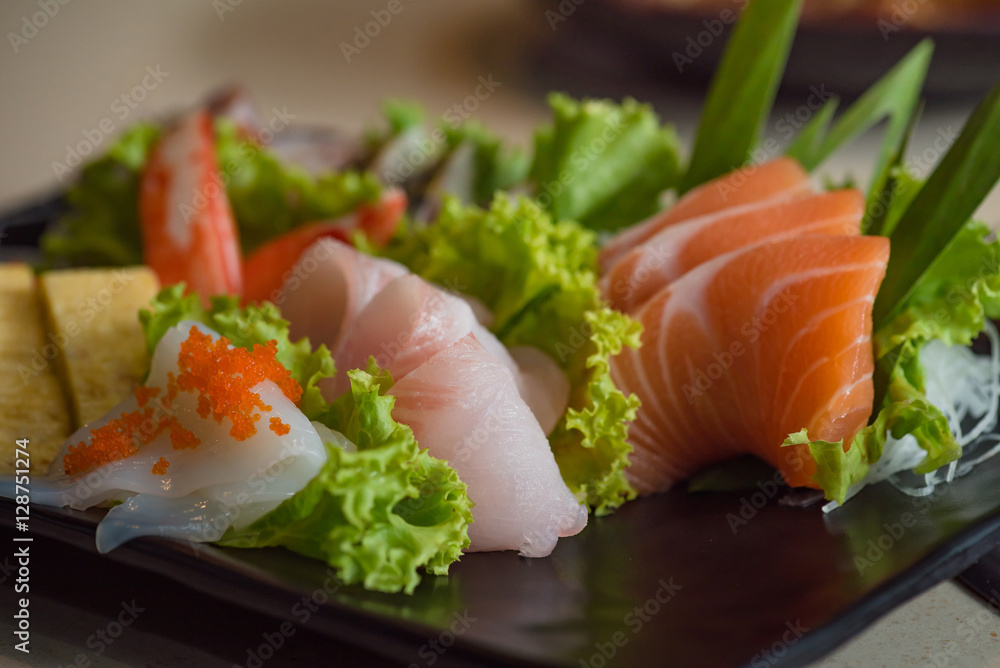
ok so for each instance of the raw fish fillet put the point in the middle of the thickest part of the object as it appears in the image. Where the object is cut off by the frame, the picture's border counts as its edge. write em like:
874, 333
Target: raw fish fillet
410, 320
776, 179
360, 306
670, 253
749, 347
463, 405
328, 287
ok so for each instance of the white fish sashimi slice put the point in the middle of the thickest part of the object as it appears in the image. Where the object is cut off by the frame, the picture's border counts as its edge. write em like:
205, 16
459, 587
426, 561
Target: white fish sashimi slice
410, 320
360, 306
405, 323
542, 384
482, 312
330, 284
463, 405
219, 483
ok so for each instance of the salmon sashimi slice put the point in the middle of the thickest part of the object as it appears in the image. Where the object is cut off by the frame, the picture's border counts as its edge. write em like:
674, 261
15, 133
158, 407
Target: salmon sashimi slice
410, 320
782, 177
675, 250
752, 346
327, 288
463, 406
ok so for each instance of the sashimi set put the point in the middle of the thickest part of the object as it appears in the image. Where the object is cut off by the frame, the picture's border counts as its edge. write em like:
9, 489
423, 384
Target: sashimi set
385, 358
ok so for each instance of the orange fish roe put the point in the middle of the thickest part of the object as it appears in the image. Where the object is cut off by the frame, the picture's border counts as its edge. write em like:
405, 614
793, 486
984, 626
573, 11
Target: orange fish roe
180, 437
113, 441
122, 438
171, 387
160, 467
279, 427
143, 394
224, 378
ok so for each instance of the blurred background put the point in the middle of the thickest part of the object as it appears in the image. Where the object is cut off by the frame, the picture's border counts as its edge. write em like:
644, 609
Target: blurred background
74, 75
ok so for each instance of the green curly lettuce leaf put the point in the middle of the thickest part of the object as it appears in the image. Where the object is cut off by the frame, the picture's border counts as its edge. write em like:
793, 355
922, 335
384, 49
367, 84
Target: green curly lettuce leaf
378, 514
495, 166
102, 227
270, 197
603, 164
949, 303
952, 300
906, 411
244, 327
539, 279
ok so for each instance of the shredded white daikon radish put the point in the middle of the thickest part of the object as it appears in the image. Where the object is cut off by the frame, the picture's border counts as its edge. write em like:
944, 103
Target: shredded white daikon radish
966, 387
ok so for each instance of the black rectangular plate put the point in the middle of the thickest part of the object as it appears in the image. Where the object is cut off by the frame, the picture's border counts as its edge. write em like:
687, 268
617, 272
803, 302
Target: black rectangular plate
666, 577
690, 579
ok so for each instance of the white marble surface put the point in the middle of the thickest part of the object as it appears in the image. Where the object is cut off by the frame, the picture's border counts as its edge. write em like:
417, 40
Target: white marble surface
63, 81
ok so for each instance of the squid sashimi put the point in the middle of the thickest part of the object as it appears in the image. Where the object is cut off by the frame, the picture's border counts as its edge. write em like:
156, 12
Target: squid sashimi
464, 406
778, 178
210, 450
329, 286
752, 346
670, 253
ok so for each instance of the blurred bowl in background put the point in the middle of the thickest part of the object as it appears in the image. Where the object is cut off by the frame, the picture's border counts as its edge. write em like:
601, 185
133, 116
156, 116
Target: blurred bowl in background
842, 45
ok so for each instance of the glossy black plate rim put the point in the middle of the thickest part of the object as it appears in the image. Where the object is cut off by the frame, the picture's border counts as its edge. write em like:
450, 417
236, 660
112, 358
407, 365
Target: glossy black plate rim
207, 570
256, 590
228, 581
